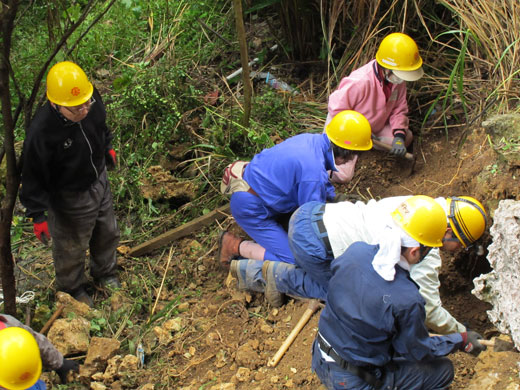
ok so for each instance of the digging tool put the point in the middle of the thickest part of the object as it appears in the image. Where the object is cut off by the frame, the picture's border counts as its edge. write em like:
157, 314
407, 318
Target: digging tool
498, 345
314, 305
382, 145
51, 320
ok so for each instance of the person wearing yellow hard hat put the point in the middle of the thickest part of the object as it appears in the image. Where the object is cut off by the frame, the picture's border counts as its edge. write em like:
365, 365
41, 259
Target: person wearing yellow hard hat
378, 91
65, 188
372, 333
280, 179
23, 354
320, 232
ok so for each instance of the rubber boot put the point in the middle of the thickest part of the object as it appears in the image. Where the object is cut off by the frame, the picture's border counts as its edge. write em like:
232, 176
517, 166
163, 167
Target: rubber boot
272, 295
82, 296
228, 248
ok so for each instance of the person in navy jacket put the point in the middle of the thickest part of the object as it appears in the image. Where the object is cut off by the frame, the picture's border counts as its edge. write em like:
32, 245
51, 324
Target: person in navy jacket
371, 333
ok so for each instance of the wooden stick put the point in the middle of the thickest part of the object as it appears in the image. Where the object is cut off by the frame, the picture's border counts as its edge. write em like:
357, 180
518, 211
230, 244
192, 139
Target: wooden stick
181, 231
311, 309
382, 145
51, 320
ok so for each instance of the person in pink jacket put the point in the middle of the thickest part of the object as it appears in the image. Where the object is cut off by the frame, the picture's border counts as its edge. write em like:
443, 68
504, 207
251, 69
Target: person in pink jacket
378, 91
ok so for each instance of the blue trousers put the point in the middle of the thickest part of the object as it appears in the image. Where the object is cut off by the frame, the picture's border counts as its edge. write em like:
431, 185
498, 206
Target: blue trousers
39, 385
260, 223
431, 375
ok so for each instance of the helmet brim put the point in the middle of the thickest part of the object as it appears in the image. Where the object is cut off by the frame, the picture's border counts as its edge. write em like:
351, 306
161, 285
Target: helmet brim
409, 75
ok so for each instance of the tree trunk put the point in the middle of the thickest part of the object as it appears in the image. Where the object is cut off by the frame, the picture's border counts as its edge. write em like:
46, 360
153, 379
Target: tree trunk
244, 59
7, 16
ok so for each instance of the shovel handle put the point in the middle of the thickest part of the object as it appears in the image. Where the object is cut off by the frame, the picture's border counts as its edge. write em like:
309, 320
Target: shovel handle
382, 145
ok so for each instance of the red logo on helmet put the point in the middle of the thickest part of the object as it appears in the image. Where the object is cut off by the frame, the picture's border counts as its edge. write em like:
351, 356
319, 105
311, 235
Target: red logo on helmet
75, 91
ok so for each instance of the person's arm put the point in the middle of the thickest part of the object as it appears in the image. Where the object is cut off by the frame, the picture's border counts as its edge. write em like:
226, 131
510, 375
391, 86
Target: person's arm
315, 190
426, 275
51, 357
34, 193
412, 340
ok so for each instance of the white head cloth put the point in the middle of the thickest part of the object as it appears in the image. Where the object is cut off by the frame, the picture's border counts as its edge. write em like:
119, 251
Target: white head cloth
389, 254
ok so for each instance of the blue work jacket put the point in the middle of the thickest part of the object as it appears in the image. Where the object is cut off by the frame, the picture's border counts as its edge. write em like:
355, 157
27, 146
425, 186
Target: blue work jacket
369, 321
293, 172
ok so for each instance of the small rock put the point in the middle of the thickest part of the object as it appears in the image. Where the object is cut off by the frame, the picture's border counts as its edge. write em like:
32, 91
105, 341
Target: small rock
274, 379
97, 386
224, 386
243, 374
183, 306
173, 324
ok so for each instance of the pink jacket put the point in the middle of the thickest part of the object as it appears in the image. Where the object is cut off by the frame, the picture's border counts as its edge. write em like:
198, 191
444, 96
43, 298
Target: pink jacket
362, 91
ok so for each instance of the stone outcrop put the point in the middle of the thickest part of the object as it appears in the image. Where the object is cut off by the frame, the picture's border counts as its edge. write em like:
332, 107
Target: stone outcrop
501, 287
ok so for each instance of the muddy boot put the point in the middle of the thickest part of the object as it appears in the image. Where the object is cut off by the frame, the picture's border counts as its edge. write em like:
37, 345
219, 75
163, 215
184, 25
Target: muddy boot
227, 248
82, 296
109, 283
272, 295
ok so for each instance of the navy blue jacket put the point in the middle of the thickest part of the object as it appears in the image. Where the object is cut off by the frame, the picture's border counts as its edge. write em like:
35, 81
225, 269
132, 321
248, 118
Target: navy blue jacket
369, 320
293, 172
60, 155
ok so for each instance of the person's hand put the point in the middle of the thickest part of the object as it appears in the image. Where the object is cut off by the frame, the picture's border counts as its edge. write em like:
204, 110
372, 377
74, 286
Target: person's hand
63, 371
470, 343
41, 231
111, 159
398, 148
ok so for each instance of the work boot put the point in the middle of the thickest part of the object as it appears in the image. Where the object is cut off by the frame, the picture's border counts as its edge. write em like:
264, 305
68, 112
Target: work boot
82, 296
272, 295
228, 248
109, 283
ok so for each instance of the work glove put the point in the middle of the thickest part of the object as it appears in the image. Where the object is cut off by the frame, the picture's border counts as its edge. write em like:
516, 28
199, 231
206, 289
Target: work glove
398, 149
470, 343
63, 371
41, 231
111, 159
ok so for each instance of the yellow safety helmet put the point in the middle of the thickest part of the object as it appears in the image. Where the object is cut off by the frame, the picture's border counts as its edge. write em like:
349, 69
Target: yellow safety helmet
20, 361
350, 130
68, 85
400, 53
467, 218
423, 219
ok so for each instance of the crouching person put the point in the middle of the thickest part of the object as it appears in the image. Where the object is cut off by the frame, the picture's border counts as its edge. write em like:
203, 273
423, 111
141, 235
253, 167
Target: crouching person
371, 335
23, 353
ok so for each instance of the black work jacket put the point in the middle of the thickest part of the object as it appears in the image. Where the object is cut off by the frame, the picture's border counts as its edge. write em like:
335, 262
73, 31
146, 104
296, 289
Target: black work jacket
60, 155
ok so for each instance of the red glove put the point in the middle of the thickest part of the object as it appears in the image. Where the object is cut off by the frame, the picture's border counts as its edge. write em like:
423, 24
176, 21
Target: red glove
112, 153
41, 231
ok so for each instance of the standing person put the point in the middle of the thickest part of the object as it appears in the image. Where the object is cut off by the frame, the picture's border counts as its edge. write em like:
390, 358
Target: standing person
285, 176
371, 334
22, 354
320, 232
66, 151
378, 91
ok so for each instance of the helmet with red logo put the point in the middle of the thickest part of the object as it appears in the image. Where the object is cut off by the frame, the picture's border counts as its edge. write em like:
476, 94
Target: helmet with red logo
68, 85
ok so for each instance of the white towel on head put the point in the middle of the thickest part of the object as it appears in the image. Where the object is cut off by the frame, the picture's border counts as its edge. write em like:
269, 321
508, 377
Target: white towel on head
389, 254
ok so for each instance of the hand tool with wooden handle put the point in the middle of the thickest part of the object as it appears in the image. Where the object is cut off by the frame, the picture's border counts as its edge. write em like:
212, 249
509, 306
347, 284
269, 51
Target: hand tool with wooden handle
497, 344
311, 309
382, 145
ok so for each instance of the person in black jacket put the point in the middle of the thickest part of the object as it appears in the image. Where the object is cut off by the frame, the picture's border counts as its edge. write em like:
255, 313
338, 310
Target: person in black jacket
65, 189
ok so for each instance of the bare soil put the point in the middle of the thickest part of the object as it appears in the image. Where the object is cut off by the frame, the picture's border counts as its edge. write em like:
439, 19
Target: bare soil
229, 336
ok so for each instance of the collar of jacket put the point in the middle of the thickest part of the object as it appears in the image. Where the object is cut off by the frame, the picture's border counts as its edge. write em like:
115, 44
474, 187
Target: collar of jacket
330, 165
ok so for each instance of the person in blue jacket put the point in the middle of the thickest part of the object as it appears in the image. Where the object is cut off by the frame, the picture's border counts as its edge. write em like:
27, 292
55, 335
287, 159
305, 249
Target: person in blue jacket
371, 334
280, 179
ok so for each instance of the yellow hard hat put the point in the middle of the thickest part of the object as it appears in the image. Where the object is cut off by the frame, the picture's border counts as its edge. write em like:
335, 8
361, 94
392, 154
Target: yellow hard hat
400, 53
68, 85
350, 130
423, 219
20, 360
467, 218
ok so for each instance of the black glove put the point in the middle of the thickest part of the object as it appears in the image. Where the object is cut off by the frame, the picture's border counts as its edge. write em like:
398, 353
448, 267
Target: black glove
398, 148
470, 343
63, 371
339, 198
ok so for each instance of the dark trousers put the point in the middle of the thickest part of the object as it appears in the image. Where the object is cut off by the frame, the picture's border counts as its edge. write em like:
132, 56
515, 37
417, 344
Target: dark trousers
401, 375
81, 221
